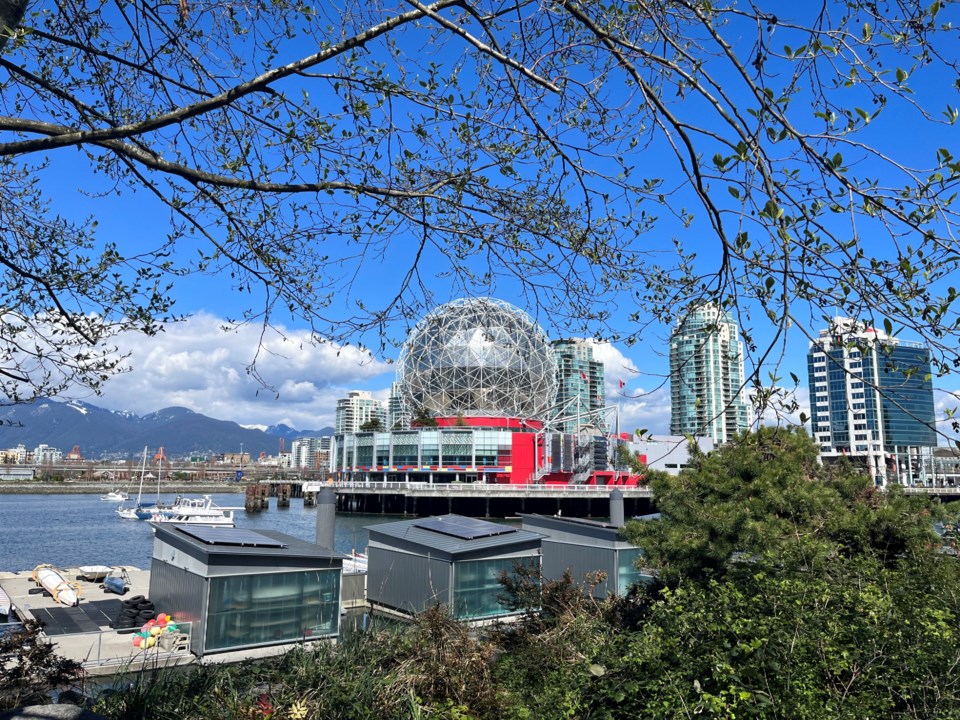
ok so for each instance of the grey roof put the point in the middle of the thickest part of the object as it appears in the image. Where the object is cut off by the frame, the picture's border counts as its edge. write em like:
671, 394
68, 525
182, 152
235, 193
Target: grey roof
409, 534
174, 535
576, 527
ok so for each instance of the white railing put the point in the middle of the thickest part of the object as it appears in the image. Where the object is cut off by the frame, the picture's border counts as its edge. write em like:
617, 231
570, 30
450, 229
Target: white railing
461, 488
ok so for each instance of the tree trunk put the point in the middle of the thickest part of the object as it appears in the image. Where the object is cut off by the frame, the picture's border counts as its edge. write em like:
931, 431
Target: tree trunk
11, 13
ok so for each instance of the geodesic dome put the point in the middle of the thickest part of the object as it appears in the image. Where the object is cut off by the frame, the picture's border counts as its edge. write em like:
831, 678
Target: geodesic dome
479, 357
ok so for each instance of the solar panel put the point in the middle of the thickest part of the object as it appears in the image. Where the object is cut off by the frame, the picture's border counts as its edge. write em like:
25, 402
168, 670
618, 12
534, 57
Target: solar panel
463, 527
231, 536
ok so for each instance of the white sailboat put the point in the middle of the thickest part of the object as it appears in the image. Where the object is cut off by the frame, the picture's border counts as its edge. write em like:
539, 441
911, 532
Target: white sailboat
130, 513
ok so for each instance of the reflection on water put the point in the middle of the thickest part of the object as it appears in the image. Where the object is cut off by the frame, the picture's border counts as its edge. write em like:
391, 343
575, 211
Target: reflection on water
73, 530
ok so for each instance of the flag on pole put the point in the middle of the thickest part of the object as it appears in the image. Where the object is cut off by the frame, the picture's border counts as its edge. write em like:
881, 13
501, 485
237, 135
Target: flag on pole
583, 375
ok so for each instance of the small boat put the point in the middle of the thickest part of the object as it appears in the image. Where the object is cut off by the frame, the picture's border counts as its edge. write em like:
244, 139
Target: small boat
52, 580
356, 564
141, 510
116, 496
94, 573
6, 606
219, 519
194, 507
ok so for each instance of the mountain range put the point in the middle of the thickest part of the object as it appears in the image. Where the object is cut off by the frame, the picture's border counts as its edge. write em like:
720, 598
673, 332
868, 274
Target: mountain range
109, 435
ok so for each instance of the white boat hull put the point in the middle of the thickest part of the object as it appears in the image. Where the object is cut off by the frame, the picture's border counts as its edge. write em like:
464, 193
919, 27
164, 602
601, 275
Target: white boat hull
52, 580
94, 573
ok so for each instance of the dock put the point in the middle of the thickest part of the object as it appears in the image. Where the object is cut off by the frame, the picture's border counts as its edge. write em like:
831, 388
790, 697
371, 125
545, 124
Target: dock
83, 632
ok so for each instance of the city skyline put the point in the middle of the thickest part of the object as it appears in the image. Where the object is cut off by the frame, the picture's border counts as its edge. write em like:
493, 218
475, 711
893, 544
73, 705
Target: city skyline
193, 365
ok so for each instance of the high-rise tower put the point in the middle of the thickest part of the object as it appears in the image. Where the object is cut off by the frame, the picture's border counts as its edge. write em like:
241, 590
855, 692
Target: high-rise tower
871, 399
358, 408
579, 386
706, 376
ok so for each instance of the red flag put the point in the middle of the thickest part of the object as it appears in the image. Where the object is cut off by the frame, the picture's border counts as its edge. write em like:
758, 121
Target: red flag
622, 384
583, 375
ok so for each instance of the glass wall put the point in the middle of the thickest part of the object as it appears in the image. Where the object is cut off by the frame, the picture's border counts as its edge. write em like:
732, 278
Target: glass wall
476, 585
406, 449
430, 448
248, 610
627, 571
457, 448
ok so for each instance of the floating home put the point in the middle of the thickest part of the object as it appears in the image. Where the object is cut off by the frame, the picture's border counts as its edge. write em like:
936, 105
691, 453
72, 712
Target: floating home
447, 559
585, 546
245, 589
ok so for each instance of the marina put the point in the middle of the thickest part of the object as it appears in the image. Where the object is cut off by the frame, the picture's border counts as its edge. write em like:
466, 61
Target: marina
93, 547
70, 530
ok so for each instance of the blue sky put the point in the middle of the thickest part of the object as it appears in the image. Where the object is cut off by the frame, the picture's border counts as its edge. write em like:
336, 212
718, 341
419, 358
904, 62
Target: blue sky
196, 365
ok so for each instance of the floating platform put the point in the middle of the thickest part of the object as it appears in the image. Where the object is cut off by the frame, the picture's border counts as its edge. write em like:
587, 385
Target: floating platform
83, 632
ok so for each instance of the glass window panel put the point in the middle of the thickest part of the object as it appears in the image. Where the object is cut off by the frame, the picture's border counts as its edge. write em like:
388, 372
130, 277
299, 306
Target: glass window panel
477, 587
249, 610
627, 571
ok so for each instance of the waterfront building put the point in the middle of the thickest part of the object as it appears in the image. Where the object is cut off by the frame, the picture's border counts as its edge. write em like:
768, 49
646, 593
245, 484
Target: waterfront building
706, 376
585, 547
667, 453
871, 400
456, 561
478, 378
310, 452
245, 589
480, 358
580, 378
358, 408
46, 455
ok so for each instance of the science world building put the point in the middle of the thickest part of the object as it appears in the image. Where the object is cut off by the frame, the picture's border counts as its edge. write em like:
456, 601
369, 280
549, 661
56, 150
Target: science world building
478, 380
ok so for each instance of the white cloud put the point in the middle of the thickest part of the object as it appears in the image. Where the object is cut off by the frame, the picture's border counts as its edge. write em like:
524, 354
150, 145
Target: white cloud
646, 410
197, 365
644, 400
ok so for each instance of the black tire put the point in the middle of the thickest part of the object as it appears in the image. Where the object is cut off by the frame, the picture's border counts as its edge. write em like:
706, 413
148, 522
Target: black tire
129, 612
146, 615
135, 599
146, 605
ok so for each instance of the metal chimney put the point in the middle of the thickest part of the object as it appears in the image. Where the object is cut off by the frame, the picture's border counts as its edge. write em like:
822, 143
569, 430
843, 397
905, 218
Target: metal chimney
326, 517
616, 508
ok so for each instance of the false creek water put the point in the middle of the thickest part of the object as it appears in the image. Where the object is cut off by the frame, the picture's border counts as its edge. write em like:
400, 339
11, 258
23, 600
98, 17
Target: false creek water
73, 530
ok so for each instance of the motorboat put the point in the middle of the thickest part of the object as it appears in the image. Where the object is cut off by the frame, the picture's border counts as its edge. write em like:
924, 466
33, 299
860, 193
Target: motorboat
222, 518
193, 507
115, 496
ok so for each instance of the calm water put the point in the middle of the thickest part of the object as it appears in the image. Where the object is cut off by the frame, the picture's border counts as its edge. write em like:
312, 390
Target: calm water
73, 530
